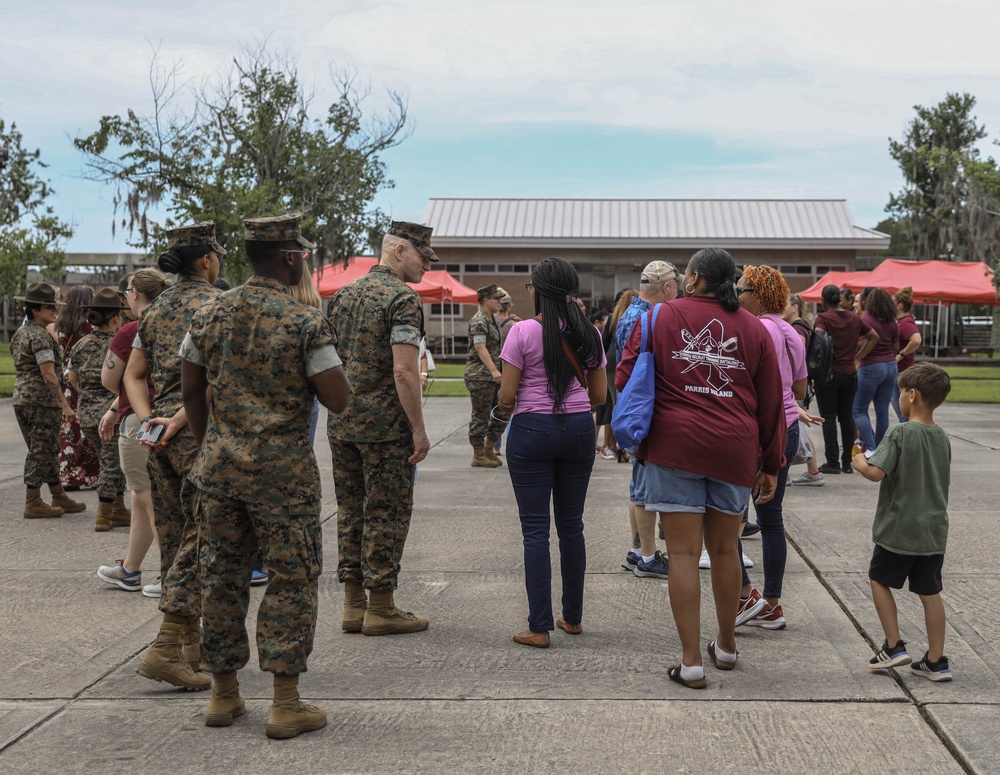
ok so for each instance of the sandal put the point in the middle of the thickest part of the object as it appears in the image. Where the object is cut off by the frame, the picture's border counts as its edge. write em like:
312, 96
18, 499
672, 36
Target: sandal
674, 674
720, 664
572, 629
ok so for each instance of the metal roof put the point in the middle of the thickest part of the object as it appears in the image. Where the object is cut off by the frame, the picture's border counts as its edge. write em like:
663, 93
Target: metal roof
460, 222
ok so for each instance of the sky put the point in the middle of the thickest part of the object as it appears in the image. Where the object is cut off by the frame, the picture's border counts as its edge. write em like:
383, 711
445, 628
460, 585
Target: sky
548, 98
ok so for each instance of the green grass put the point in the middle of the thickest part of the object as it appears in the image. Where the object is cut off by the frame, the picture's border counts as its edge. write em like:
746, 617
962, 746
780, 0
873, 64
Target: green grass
973, 372
974, 391
437, 389
449, 371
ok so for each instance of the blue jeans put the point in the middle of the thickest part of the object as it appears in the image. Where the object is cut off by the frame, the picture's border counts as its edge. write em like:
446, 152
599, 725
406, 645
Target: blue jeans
549, 458
774, 547
895, 402
875, 382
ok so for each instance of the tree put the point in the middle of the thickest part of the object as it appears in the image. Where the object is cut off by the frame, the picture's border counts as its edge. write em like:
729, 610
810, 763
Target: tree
949, 204
249, 146
30, 232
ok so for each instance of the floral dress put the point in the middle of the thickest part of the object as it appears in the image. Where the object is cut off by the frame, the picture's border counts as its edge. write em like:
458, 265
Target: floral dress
78, 463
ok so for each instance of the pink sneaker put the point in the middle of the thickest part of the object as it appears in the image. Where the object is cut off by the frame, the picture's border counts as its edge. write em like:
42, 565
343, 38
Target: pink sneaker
769, 619
750, 606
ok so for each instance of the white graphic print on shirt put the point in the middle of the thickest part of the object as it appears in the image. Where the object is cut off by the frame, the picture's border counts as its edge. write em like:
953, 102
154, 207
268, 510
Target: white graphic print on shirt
709, 348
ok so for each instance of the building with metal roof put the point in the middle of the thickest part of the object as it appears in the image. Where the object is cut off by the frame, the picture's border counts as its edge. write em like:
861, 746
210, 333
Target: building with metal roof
609, 241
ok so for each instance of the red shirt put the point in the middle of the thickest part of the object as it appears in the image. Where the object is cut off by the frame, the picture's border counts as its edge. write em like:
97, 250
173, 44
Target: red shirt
887, 346
718, 409
121, 345
907, 327
846, 329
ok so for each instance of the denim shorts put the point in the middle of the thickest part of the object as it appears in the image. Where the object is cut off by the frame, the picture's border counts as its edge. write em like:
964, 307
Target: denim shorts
671, 490
637, 485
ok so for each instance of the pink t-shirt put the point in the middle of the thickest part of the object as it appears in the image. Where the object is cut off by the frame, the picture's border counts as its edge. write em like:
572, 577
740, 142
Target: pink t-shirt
523, 350
791, 361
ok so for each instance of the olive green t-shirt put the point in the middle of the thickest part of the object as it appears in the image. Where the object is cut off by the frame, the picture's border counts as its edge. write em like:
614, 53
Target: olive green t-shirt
912, 512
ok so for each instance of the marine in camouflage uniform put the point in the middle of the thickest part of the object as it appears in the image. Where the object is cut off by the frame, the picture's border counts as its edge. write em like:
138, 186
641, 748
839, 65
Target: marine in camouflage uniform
481, 379
380, 436
256, 352
36, 405
87, 359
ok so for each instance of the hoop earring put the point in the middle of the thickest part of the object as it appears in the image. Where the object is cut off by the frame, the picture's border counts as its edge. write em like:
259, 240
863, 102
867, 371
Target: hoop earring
689, 289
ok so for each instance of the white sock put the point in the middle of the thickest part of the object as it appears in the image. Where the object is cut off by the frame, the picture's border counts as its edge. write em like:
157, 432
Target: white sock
648, 560
692, 673
724, 656
635, 552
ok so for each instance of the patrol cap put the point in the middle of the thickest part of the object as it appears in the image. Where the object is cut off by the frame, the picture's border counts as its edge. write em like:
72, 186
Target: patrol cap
277, 228
39, 293
417, 235
106, 299
658, 272
201, 233
489, 292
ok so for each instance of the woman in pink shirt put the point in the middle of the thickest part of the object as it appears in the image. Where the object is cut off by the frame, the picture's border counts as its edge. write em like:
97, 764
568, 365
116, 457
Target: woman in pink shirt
717, 436
763, 292
554, 372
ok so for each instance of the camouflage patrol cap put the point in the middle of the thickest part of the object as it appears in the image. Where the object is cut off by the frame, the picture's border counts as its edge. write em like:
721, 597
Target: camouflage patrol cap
277, 228
489, 292
417, 235
201, 233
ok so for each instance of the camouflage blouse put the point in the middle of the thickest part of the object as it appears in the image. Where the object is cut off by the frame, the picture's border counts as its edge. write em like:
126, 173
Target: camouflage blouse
86, 359
32, 346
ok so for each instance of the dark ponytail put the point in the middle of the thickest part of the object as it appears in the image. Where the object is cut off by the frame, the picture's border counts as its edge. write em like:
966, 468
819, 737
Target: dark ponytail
718, 269
180, 260
557, 287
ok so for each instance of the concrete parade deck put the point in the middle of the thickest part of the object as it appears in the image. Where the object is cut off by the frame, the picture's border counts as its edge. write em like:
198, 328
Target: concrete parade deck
462, 697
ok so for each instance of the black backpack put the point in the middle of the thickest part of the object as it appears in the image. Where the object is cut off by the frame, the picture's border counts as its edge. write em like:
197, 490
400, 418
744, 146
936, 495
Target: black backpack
819, 356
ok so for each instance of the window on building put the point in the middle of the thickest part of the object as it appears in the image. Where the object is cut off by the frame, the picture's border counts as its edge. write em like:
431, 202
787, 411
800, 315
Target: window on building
453, 268
446, 310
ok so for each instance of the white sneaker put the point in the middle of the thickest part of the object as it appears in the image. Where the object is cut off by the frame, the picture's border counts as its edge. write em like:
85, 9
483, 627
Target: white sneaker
705, 562
607, 454
809, 480
153, 590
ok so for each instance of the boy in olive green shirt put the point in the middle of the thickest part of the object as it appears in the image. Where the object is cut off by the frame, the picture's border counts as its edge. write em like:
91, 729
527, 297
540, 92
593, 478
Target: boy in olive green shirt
913, 464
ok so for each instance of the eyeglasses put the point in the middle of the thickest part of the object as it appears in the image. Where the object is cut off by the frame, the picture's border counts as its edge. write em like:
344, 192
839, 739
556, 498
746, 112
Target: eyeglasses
128, 291
304, 253
529, 287
741, 291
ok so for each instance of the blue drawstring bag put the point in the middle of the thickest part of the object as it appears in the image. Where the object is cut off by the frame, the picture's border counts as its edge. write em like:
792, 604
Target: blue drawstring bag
633, 411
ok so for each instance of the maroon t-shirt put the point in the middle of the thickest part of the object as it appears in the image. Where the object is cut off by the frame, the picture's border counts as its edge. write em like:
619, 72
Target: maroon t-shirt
887, 346
718, 409
907, 327
846, 329
121, 345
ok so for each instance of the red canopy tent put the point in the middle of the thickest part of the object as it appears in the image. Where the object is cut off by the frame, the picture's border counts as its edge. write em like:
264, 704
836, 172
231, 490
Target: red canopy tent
963, 282
436, 286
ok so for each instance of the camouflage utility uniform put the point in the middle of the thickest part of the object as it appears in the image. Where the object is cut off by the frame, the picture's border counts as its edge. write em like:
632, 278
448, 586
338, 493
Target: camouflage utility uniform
372, 439
87, 360
162, 327
483, 329
256, 473
36, 405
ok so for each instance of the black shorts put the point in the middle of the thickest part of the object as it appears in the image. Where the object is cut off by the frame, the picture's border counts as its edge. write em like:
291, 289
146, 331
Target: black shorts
891, 570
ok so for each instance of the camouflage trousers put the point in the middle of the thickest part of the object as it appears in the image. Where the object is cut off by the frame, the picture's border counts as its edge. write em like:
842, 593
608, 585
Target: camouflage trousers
110, 479
291, 538
482, 426
40, 428
176, 525
374, 486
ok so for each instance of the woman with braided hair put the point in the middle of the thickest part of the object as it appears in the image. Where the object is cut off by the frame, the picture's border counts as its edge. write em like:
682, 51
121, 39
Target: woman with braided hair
554, 372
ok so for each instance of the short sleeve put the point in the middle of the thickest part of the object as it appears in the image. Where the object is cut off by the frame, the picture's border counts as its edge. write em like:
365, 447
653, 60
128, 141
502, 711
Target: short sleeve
797, 353
886, 456
513, 351
321, 354
45, 356
406, 320
477, 330
190, 352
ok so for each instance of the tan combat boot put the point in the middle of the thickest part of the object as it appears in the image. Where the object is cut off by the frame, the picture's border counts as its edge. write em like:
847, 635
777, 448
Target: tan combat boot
290, 716
480, 459
63, 501
103, 522
355, 605
226, 703
164, 661
36, 508
191, 645
120, 516
488, 448
383, 618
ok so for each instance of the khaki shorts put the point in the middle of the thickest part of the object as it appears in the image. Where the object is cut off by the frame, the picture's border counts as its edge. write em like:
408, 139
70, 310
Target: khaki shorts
132, 455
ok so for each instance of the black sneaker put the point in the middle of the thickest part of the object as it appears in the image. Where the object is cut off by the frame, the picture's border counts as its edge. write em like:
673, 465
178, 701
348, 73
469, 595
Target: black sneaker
258, 576
846, 468
826, 468
750, 529
890, 657
934, 671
